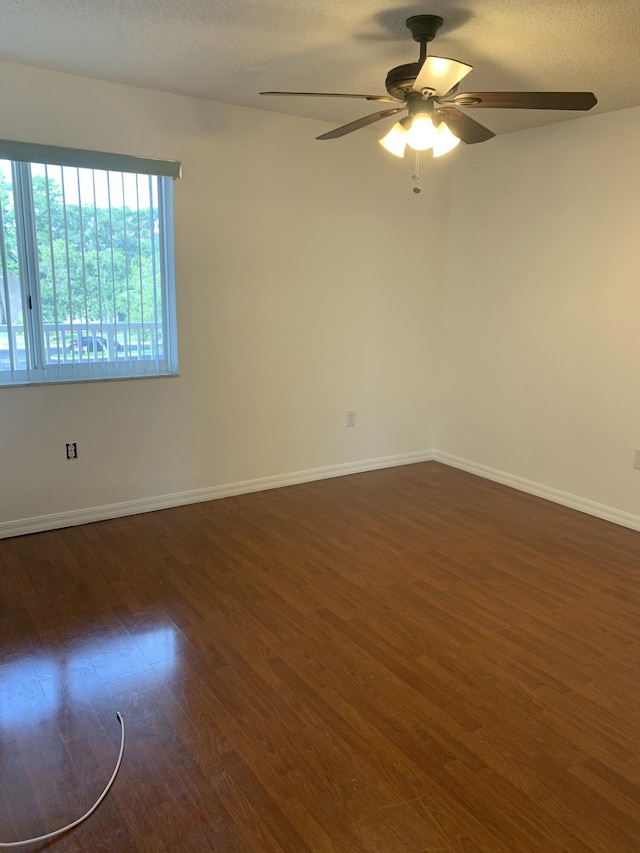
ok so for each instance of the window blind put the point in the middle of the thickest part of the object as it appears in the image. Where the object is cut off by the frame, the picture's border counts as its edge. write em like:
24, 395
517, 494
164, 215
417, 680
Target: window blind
53, 155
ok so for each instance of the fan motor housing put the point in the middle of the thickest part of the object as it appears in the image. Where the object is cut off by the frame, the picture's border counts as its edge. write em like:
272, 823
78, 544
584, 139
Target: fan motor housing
400, 80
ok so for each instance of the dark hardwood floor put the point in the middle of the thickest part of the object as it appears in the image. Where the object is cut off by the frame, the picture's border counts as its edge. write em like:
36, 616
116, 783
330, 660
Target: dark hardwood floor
402, 661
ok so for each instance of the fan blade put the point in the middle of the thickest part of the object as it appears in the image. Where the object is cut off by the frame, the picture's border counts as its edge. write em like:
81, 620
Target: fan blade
386, 98
527, 100
361, 122
440, 74
464, 127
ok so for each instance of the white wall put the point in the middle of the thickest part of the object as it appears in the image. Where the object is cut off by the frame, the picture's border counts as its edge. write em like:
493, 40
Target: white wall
541, 348
309, 282
299, 297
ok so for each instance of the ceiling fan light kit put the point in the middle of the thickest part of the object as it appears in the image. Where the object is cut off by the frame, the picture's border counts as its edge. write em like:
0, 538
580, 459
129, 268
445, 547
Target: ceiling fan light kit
427, 91
421, 130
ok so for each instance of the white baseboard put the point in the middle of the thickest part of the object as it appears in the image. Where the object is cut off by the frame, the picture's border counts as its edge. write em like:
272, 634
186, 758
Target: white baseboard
53, 521
608, 513
101, 513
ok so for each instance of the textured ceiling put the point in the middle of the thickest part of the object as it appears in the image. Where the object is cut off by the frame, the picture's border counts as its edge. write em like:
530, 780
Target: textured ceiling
229, 50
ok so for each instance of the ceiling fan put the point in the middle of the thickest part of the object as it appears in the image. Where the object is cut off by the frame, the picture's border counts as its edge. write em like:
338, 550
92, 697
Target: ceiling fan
428, 91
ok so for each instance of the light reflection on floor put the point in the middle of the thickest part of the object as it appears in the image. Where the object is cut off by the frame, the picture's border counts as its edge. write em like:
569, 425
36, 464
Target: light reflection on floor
34, 687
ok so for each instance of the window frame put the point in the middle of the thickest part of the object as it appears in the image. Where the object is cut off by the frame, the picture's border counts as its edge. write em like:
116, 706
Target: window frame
38, 370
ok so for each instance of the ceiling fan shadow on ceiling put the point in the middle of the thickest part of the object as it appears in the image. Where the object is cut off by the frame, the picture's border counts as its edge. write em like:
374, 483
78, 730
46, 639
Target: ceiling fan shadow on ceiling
427, 90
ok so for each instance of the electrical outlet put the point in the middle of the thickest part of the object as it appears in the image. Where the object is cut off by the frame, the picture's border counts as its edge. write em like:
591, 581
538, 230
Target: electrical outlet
72, 450
636, 459
351, 418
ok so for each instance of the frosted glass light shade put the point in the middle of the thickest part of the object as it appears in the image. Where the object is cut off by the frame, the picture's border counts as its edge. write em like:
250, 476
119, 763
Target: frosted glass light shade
395, 141
422, 134
440, 74
445, 141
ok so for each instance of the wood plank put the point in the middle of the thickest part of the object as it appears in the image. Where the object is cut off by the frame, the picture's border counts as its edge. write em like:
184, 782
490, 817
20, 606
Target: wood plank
400, 661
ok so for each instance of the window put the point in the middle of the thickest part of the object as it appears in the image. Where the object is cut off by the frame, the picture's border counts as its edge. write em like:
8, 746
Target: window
87, 288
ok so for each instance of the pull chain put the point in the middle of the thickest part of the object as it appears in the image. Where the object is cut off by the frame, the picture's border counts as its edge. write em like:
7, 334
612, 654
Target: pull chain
416, 174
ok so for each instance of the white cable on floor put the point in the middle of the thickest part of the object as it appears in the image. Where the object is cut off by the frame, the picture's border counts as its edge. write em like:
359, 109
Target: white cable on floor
91, 810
